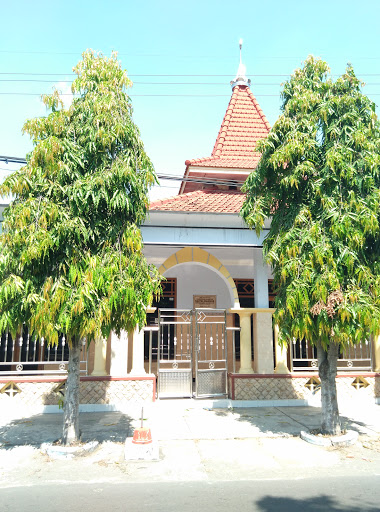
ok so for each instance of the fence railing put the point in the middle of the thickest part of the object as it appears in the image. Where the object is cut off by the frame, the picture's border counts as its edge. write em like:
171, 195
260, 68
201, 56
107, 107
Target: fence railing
353, 358
29, 355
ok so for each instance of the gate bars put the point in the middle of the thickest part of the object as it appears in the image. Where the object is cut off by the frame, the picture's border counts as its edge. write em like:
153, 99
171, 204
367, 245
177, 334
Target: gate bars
184, 359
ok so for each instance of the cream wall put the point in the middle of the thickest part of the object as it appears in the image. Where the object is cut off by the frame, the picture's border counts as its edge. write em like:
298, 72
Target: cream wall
196, 279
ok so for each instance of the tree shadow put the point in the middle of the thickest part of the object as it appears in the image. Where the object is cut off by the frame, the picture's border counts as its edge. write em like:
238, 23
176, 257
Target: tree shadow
311, 504
47, 428
285, 421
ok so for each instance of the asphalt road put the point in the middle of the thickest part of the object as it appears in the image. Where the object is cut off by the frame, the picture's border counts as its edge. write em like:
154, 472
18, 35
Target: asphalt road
312, 493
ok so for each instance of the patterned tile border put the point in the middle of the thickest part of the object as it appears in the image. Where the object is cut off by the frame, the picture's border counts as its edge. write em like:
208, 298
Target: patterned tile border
293, 387
93, 390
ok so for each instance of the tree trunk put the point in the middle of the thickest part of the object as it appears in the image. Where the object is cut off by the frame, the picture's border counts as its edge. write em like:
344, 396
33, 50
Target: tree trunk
327, 362
71, 408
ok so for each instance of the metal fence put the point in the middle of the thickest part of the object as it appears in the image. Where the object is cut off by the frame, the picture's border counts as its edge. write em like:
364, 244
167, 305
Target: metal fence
353, 358
29, 355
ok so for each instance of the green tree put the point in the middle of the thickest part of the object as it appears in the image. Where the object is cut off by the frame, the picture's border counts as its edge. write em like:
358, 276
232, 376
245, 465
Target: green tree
318, 180
71, 260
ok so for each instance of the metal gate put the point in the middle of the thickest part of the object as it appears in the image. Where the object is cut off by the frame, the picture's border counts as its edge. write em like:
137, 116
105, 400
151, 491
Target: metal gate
184, 358
175, 353
210, 352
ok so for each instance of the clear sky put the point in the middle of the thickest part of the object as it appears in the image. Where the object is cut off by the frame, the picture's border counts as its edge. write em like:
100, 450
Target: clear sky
181, 57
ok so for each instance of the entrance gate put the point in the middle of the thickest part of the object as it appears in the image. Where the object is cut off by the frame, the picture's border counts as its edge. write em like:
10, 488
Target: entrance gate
192, 353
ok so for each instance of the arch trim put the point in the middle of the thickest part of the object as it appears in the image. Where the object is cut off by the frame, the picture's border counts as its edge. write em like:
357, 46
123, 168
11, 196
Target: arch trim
198, 255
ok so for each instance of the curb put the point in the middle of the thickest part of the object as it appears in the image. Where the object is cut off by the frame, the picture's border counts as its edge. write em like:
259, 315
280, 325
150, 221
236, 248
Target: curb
347, 439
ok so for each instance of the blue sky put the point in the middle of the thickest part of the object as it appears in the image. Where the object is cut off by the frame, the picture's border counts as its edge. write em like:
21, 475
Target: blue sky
178, 116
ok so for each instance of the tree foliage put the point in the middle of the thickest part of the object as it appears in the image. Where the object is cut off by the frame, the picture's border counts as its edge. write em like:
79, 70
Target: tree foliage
318, 180
71, 256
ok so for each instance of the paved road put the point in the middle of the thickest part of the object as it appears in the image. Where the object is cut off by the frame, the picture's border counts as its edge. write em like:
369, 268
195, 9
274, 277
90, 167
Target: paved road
335, 494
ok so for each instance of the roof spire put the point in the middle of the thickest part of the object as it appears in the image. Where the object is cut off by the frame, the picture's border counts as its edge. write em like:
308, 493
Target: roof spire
240, 78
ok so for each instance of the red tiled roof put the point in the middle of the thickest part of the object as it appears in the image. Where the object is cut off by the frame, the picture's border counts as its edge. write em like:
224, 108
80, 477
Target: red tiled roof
243, 125
217, 201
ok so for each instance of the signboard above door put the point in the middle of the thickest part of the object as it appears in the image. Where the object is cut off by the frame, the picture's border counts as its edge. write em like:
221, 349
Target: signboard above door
204, 301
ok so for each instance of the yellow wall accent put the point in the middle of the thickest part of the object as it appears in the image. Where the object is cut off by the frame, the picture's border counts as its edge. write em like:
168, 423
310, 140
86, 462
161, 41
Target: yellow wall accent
170, 262
214, 262
184, 255
198, 255
225, 272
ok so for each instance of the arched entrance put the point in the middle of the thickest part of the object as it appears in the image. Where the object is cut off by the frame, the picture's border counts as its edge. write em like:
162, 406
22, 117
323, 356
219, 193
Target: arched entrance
192, 341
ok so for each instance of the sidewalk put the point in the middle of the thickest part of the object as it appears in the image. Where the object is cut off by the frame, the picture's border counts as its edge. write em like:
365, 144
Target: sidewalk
196, 442
188, 420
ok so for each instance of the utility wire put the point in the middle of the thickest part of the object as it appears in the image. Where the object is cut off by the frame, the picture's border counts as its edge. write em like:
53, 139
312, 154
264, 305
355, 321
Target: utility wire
230, 75
147, 95
256, 84
171, 55
208, 181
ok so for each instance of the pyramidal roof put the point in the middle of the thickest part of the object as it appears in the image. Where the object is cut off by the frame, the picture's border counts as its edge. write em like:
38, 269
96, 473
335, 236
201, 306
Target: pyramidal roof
244, 124
232, 158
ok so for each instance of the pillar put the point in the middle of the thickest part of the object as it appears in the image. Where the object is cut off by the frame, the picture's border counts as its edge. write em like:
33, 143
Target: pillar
100, 358
260, 270
245, 342
138, 350
376, 353
262, 321
138, 353
281, 355
263, 343
119, 354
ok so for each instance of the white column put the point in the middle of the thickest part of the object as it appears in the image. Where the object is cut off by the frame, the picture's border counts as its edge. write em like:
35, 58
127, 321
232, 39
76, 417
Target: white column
138, 353
138, 350
262, 322
260, 274
376, 353
281, 355
100, 358
119, 354
245, 342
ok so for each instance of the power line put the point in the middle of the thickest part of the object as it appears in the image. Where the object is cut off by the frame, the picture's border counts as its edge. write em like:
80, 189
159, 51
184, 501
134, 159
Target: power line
230, 75
157, 95
256, 84
171, 55
169, 177
144, 95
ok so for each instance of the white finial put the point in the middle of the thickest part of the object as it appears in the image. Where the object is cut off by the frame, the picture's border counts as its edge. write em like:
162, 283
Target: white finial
240, 78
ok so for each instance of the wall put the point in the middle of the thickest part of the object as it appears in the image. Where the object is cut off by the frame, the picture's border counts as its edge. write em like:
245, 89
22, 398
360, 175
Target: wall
35, 394
195, 279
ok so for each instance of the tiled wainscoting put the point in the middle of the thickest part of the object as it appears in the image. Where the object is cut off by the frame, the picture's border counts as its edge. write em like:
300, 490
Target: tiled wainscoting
363, 386
97, 391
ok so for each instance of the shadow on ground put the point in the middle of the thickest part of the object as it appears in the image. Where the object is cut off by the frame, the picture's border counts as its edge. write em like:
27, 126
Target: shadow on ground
47, 428
311, 504
289, 421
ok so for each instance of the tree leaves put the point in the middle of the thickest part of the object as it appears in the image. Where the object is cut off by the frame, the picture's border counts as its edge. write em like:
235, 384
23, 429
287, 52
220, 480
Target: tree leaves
71, 256
318, 179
